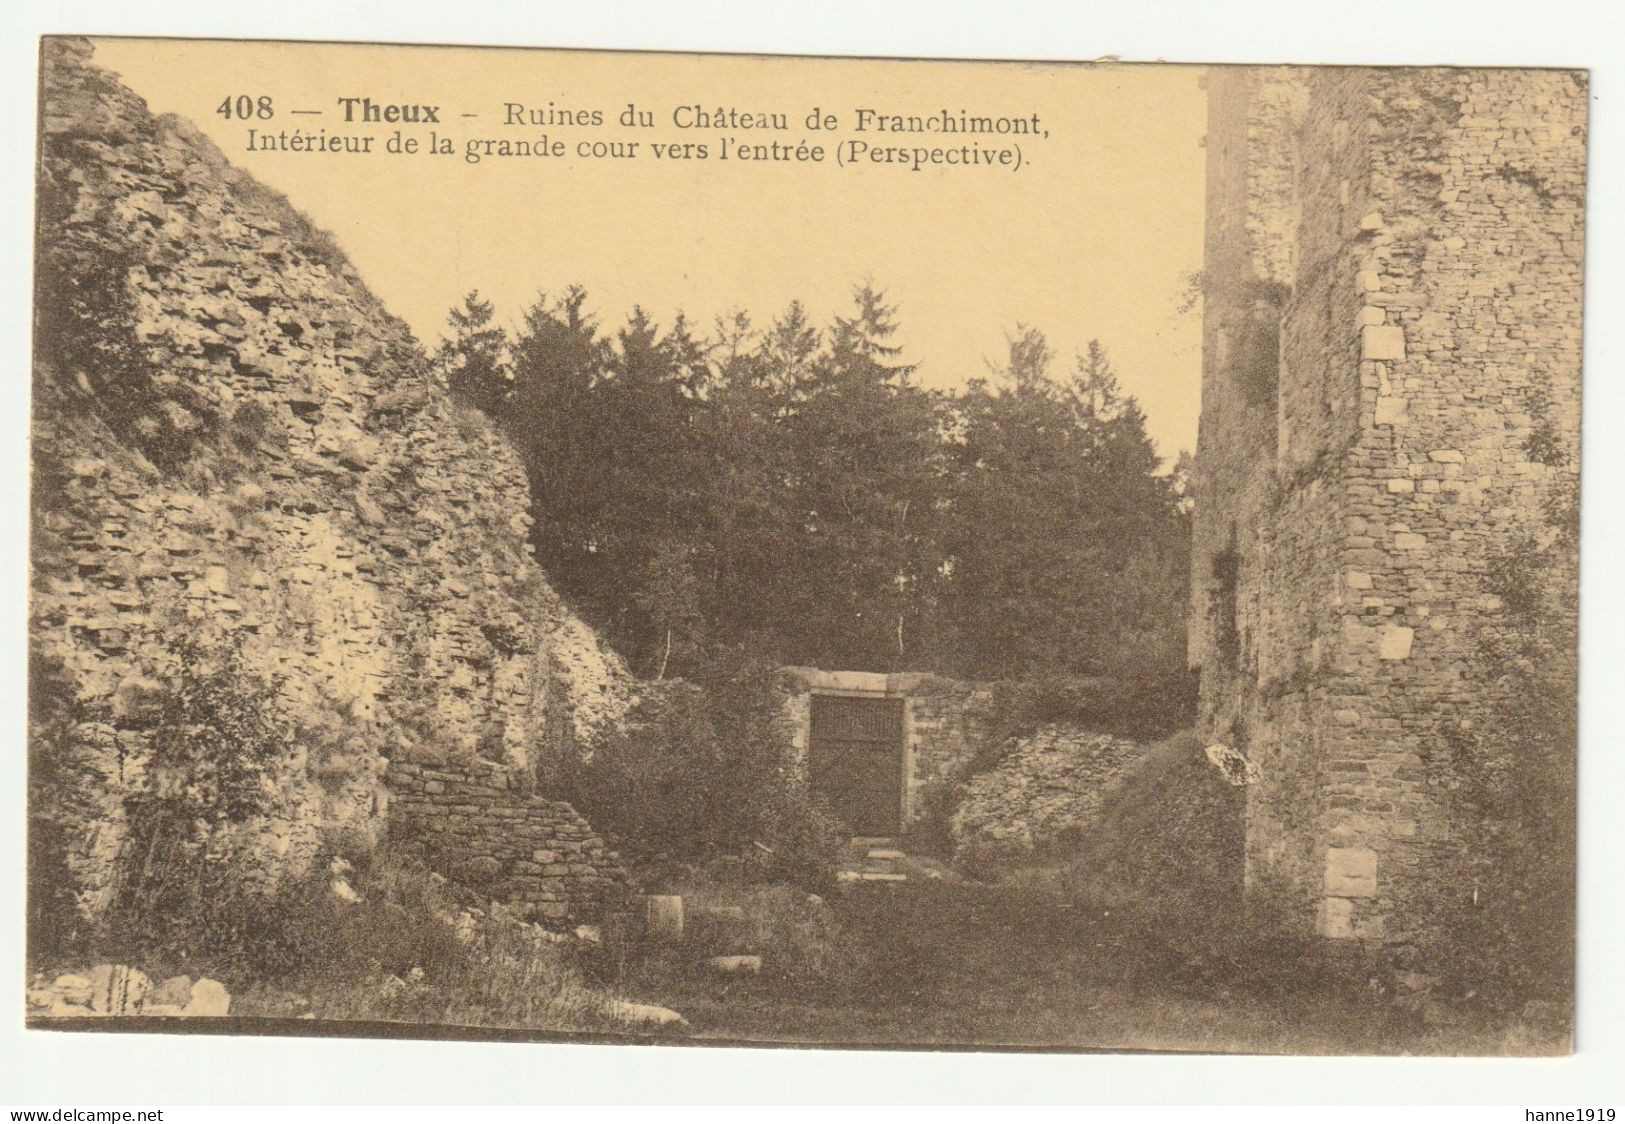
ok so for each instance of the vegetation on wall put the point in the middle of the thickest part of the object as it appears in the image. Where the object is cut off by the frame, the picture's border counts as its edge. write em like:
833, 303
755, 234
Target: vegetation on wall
85, 338
1508, 919
1225, 570
222, 755
54, 921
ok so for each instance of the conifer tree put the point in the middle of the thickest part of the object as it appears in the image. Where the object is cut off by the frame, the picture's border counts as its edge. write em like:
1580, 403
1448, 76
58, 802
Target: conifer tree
475, 360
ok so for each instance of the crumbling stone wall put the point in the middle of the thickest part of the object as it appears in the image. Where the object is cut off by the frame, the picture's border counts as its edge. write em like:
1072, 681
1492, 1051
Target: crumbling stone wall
1392, 289
362, 537
479, 822
1045, 792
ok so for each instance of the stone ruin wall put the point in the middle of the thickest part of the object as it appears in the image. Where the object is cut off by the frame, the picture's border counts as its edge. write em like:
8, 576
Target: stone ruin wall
358, 533
1392, 286
481, 824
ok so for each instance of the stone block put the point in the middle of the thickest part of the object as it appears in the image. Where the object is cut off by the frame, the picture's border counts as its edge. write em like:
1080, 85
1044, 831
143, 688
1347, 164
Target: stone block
1390, 410
1379, 342
663, 917
176, 991
117, 989
1337, 918
73, 989
1394, 642
209, 1000
735, 965
1351, 872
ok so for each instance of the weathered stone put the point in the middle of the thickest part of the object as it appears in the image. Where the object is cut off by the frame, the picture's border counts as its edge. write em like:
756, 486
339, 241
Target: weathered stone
1351, 872
176, 991
735, 965
1337, 918
209, 999
1391, 410
663, 917
139, 700
62, 1009
346, 491
1394, 642
1047, 787
647, 1016
1382, 343
73, 989
117, 989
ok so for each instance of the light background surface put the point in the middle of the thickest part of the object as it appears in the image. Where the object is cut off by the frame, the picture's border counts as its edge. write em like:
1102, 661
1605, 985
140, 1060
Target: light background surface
59, 1069
1094, 236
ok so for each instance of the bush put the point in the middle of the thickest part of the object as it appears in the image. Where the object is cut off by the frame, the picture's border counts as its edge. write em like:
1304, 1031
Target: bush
401, 950
221, 756
704, 771
506, 973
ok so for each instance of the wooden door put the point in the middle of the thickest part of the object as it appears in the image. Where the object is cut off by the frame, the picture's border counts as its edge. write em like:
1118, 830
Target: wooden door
856, 759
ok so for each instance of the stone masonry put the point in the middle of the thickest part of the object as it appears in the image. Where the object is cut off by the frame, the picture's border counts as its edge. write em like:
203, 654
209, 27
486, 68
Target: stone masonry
1392, 305
479, 823
361, 536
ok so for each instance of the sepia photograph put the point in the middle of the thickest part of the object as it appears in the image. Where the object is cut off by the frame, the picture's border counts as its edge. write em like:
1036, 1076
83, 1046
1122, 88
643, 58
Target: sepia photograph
542, 545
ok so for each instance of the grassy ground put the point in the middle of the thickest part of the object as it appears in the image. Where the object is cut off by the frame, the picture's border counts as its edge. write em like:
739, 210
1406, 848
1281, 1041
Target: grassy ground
938, 963
1133, 937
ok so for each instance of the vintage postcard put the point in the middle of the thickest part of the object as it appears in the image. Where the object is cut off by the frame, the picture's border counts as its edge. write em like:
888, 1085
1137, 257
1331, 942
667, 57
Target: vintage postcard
536, 543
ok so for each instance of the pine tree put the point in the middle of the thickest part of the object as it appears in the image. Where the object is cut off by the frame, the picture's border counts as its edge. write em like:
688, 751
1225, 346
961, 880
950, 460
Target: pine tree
1066, 547
865, 448
475, 360
558, 360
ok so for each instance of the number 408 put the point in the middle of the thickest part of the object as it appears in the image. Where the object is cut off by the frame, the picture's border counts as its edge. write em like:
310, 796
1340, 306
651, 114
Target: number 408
244, 106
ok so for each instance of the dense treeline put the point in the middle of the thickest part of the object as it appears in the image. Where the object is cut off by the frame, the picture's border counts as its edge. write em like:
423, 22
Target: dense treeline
790, 492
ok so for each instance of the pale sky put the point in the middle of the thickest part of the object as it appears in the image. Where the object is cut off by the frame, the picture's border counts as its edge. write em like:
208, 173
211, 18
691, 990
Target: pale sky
1092, 238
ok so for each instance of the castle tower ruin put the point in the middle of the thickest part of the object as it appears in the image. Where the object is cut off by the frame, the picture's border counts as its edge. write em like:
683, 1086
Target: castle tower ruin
1390, 398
